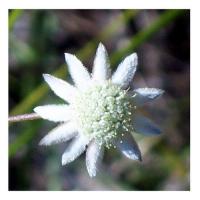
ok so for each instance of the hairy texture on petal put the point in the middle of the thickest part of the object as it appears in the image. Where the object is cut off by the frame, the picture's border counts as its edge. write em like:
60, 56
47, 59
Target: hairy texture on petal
125, 71
76, 148
128, 146
79, 73
145, 126
101, 69
56, 113
94, 155
61, 88
61, 133
144, 95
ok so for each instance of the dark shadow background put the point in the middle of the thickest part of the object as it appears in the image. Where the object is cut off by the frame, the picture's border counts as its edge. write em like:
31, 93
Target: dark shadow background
37, 42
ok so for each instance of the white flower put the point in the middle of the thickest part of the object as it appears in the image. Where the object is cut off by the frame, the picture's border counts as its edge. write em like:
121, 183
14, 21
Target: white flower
101, 110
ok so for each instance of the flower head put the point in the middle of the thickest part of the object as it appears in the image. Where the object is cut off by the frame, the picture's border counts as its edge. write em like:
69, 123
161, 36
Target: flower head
101, 110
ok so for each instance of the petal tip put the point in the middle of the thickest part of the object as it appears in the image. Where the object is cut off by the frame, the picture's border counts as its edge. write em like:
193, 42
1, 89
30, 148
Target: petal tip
134, 58
136, 156
36, 110
134, 55
68, 56
140, 158
46, 76
92, 175
125, 71
66, 159
63, 161
49, 78
158, 92
161, 92
101, 46
43, 142
100, 43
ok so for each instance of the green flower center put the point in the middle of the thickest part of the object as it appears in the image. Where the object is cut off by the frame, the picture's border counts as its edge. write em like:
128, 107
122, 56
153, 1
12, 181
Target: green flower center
104, 112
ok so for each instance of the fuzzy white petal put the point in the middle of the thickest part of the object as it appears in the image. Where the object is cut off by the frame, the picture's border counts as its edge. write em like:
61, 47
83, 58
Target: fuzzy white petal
61, 88
79, 73
128, 146
145, 126
101, 69
61, 133
125, 71
56, 113
94, 155
75, 149
144, 95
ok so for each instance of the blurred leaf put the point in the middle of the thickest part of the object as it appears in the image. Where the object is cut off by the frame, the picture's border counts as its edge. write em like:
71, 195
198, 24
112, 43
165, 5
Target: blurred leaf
23, 138
24, 53
145, 34
13, 16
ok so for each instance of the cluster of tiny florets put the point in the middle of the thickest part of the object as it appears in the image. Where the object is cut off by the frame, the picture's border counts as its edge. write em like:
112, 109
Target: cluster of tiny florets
104, 112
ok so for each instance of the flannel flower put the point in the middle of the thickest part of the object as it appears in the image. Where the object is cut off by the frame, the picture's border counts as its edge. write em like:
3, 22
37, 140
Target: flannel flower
101, 110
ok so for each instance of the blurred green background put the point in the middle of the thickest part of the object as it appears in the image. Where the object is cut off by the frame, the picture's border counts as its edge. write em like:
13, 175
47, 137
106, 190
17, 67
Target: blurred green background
37, 42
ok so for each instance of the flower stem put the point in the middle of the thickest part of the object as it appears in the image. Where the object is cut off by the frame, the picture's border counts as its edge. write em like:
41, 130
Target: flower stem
24, 117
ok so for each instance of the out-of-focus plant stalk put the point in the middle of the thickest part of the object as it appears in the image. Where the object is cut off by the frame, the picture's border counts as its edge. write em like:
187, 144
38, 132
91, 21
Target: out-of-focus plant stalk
146, 33
13, 16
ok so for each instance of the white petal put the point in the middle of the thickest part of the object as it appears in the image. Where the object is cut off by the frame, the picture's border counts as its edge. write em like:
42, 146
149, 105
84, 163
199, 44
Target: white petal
56, 113
61, 88
79, 73
61, 133
76, 148
101, 69
94, 155
125, 71
145, 126
144, 95
128, 146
